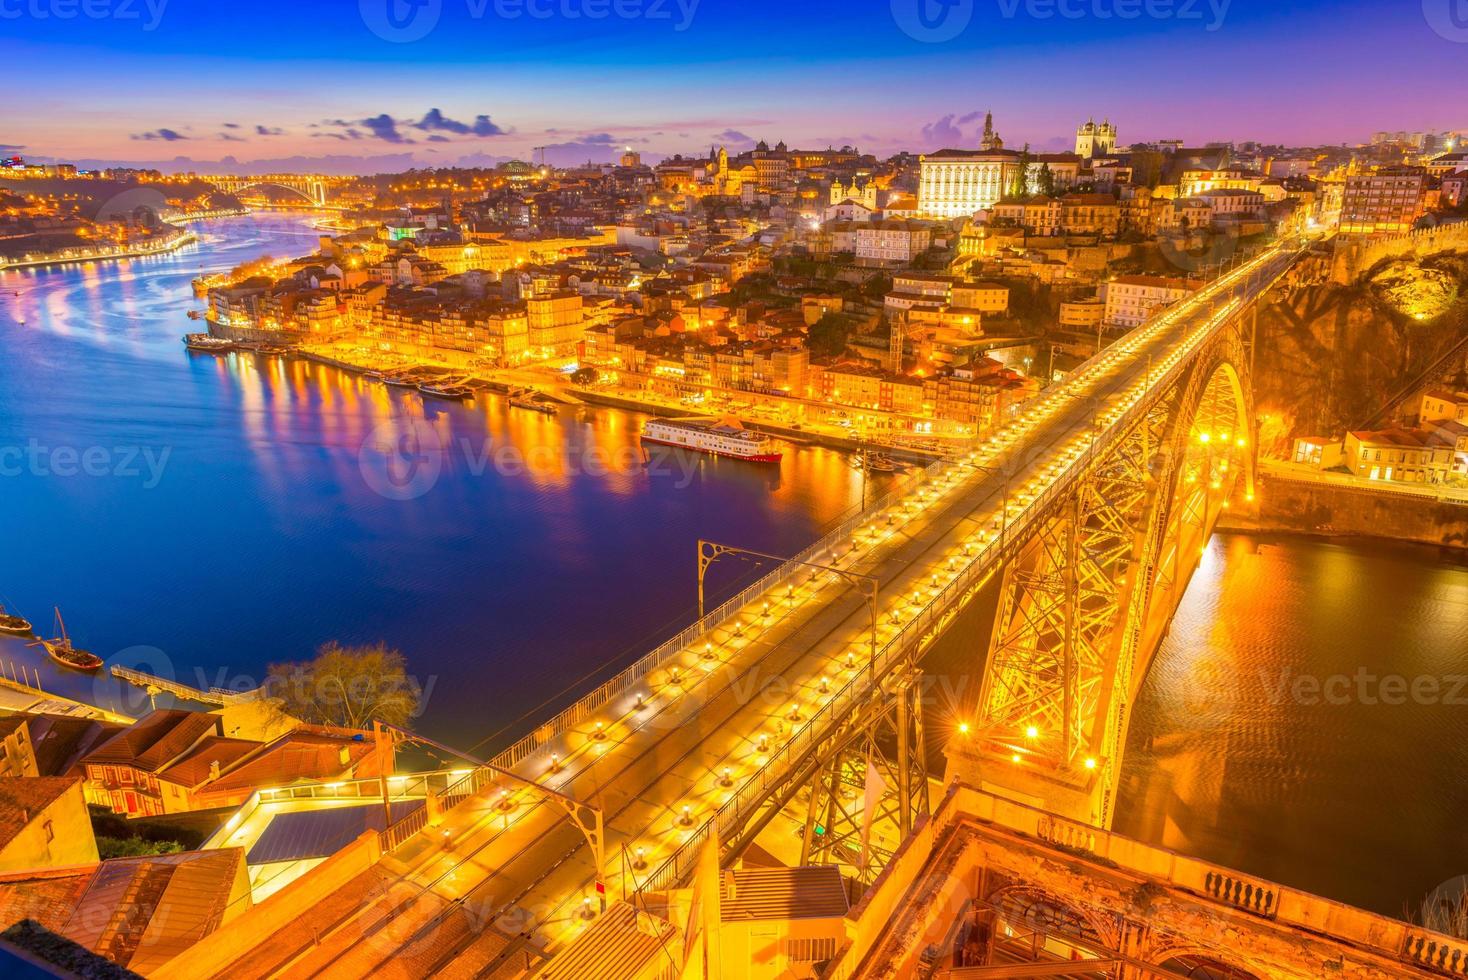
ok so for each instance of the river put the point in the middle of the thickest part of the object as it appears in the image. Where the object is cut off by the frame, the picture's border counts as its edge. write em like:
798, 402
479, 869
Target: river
202, 517
242, 510
1307, 719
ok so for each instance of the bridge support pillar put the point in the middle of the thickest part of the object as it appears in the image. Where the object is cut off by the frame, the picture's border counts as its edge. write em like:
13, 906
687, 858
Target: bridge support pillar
864, 800
1075, 796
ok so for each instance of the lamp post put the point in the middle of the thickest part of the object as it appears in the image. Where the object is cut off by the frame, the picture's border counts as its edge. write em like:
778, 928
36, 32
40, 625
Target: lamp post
1003, 498
711, 551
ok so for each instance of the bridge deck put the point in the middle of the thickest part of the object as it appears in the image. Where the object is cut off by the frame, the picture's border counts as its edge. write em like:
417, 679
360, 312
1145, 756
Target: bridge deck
672, 751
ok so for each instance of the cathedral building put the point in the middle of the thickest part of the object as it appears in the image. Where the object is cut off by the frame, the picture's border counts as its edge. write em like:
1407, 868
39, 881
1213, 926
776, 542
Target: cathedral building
1095, 141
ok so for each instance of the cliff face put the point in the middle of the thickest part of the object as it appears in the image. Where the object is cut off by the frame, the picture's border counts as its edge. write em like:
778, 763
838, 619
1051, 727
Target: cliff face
1331, 356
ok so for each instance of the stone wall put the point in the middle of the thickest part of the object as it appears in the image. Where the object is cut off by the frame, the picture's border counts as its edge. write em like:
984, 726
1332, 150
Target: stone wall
1145, 903
256, 335
1354, 257
1292, 506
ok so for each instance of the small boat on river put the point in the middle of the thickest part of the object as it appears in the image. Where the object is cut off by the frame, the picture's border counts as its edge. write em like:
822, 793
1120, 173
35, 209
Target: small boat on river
207, 344
449, 391
64, 653
13, 625
529, 400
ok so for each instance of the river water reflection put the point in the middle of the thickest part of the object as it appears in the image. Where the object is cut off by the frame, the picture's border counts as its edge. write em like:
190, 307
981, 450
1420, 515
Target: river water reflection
245, 510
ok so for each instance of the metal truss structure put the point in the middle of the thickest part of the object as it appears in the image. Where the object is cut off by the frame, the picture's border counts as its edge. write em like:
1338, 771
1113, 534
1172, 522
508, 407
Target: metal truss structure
871, 788
885, 735
1087, 598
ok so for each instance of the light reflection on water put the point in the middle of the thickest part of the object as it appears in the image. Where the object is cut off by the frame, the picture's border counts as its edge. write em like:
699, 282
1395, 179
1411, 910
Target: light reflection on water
502, 583
1265, 737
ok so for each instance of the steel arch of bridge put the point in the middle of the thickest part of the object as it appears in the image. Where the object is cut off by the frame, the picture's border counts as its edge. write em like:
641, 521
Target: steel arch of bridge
1087, 597
313, 191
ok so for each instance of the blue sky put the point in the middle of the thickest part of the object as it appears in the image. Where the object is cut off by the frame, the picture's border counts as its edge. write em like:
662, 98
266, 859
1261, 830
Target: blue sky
270, 82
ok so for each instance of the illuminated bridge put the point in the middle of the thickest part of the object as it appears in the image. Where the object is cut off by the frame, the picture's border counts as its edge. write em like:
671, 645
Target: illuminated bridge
793, 713
313, 189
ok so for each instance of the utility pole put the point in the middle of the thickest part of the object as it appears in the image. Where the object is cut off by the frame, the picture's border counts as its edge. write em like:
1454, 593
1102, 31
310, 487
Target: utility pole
381, 736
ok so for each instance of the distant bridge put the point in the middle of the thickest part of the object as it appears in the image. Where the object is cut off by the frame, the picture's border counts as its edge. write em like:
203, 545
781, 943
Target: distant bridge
312, 189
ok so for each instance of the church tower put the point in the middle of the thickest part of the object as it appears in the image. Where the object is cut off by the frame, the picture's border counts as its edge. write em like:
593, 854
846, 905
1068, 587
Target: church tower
1093, 140
990, 139
1086, 139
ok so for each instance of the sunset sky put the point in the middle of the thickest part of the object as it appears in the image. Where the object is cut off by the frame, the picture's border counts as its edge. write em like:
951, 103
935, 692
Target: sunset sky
343, 85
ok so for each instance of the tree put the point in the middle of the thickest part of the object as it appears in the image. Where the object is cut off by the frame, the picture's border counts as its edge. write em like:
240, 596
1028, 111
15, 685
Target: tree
584, 376
1020, 186
828, 336
113, 847
877, 286
1046, 180
348, 687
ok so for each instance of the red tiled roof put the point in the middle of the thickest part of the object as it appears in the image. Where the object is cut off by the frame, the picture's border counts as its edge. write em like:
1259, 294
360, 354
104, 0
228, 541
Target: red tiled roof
193, 767
47, 895
304, 754
1406, 438
59, 741
22, 798
155, 740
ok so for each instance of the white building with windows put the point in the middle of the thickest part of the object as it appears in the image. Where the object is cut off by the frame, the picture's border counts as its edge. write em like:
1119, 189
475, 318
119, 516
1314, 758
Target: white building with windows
892, 242
1130, 300
961, 183
1401, 455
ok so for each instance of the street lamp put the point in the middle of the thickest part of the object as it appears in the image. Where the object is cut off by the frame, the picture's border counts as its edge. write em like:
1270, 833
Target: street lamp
711, 551
1004, 498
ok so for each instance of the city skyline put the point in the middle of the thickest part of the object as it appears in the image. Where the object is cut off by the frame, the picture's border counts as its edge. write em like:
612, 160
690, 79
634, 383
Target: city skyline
348, 95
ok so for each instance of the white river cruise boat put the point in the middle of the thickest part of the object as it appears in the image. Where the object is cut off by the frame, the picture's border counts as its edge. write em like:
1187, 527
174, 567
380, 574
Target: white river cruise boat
710, 436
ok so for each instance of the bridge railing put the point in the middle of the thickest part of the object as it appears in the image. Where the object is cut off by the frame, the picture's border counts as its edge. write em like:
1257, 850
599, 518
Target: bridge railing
632, 676
899, 648
688, 638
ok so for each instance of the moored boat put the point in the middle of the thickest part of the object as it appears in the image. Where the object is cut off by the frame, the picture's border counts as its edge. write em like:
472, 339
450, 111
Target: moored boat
875, 462
714, 437
64, 653
13, 625
528, 399
207, 344
449, 392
